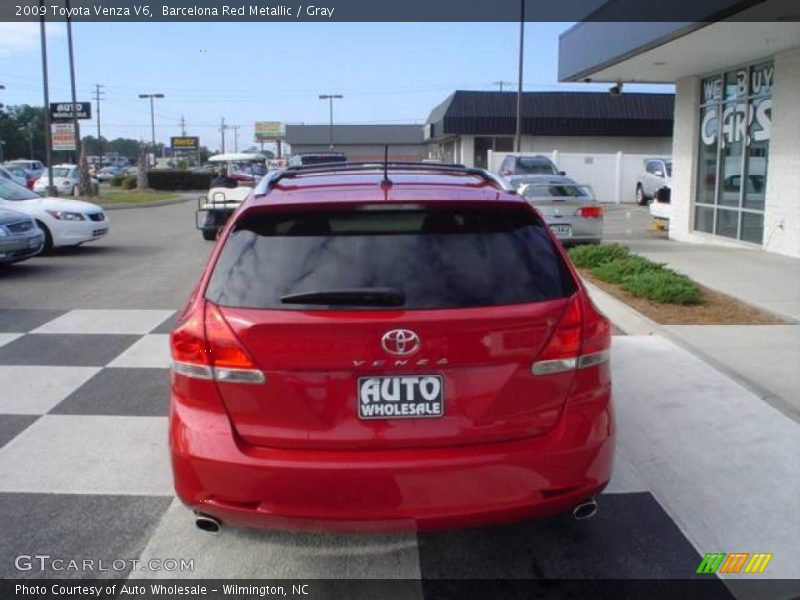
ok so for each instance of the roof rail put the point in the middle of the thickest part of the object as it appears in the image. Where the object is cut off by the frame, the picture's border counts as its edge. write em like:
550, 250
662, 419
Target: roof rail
353, 167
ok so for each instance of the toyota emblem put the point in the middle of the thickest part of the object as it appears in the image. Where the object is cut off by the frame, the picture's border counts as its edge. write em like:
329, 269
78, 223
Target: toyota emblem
400, 342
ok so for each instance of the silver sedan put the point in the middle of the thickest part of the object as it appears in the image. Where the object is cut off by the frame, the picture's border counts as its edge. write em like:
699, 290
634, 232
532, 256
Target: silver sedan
570, 209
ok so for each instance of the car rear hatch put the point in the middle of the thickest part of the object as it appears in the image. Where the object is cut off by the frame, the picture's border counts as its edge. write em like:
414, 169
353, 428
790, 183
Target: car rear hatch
374, 328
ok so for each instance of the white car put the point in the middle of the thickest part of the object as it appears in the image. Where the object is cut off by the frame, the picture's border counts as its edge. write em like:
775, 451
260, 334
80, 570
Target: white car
13, 175
66, 179
64, 222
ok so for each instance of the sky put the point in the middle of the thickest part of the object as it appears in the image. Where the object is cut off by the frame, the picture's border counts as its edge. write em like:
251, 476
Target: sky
247, 72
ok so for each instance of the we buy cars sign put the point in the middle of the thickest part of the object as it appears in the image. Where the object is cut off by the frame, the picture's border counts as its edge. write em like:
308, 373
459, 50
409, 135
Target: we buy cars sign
67, 111
63, 136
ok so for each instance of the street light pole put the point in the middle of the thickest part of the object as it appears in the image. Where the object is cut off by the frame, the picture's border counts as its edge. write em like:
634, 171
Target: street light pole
330, 98
518, 133
152, 98
48, 147
75, 130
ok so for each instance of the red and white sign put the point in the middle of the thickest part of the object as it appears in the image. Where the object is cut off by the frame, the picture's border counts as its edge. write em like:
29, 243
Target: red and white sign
63, 136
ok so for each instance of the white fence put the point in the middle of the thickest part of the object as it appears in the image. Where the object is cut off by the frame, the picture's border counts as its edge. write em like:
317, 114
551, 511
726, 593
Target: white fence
613, 177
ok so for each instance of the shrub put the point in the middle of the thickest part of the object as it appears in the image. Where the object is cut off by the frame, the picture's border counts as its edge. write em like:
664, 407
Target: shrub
615, 271
117, 180
594, 255
171, 180
663, 286
129, 183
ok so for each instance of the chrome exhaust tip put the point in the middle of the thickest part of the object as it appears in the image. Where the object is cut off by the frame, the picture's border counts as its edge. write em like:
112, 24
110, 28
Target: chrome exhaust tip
585, 510
208, 523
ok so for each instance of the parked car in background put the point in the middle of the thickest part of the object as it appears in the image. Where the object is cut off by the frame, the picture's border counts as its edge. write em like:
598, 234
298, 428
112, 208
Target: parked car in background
66, 179
415, 355
14, 174
657, 174
64, 222
34, 168
108, 173
571, 210
20, 238
528, 164
515, 183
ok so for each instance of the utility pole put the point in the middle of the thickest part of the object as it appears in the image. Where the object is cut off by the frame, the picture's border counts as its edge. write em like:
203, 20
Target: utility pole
98, 94
235, 137
330, 98
518, 133
501, 84
222, 128
48, 147
183, 127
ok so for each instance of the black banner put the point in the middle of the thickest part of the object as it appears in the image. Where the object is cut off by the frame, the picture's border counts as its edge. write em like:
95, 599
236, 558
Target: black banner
702, 587
63, 111
406, 11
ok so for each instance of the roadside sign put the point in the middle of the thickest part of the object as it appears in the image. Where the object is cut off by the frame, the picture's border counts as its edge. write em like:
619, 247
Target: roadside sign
63, 136
185, 143
63, 111
269, 131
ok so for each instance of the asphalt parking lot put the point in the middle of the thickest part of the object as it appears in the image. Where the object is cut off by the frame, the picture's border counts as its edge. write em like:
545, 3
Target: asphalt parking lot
84, 469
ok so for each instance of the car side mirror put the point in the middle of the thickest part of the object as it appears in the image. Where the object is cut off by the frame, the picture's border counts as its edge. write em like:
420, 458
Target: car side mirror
505, 172
562, 173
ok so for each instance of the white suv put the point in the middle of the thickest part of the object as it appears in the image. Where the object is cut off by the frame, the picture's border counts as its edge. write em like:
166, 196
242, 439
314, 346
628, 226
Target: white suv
657, 174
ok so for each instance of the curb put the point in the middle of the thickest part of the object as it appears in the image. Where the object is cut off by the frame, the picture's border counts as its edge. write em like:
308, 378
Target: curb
630, 321
128, 205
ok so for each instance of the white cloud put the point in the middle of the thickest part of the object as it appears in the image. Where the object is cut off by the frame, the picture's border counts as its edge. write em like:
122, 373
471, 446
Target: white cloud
24, 37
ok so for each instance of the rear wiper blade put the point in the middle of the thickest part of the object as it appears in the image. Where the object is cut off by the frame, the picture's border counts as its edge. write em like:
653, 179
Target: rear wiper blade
349, 296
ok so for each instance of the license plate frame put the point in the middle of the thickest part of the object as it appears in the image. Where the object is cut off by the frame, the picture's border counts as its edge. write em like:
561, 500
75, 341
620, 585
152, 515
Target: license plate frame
561, 229
413, 391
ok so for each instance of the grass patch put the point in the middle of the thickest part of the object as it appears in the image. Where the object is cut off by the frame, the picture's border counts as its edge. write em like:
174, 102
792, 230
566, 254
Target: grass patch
615, 271
132, 197
663, 286
592, 255
640, 277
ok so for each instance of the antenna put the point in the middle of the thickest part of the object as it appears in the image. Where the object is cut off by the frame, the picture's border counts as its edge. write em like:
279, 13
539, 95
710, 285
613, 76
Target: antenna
386, 180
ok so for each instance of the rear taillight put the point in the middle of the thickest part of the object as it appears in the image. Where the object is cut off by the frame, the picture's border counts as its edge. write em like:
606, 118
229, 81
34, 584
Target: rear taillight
230, 360
581, 339
204, 347
590, 212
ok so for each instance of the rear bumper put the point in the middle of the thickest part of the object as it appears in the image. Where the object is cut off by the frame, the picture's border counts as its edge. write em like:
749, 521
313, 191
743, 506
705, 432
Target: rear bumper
381, 490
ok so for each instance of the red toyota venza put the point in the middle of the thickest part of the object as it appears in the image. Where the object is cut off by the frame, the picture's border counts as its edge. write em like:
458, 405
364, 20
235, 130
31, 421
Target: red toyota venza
384, 348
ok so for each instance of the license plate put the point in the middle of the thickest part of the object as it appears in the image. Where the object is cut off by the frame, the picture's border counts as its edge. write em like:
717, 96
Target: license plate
561, 229
401, 397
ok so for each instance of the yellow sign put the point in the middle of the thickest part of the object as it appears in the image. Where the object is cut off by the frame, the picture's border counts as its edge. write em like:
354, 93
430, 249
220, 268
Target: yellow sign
269, 131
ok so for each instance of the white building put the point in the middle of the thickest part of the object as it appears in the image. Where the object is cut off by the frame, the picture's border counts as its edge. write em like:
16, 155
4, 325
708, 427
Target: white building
736, 141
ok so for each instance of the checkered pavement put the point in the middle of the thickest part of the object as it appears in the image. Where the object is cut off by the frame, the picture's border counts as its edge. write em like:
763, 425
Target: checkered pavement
84, 472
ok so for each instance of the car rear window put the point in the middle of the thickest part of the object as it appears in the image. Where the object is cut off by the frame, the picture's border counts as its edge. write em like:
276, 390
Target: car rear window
536, 166
555, 190
434, 258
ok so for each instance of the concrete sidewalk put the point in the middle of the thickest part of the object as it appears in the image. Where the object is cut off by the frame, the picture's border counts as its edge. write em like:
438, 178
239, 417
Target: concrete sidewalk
767, 281
764, 358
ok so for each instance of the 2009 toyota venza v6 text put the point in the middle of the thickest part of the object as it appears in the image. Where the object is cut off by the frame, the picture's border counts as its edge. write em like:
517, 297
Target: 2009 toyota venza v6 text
386, 347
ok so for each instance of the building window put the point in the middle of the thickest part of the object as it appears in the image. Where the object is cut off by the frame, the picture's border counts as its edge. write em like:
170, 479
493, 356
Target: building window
735, 118
495, 144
